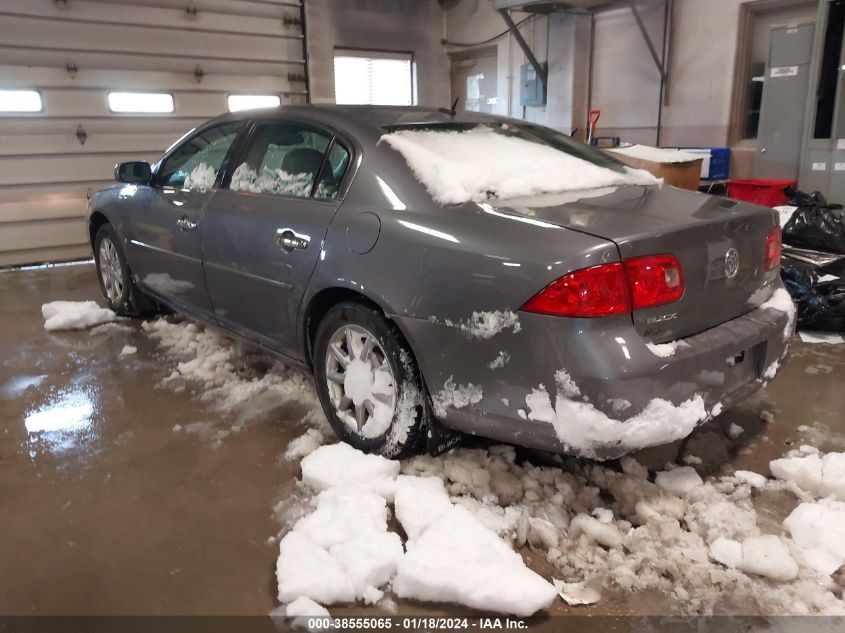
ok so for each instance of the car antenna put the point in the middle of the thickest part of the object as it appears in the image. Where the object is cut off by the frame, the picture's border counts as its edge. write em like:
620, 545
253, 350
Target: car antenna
453, 110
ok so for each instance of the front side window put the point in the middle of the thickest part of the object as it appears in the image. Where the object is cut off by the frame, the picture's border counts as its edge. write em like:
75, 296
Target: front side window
283, 159
196, 163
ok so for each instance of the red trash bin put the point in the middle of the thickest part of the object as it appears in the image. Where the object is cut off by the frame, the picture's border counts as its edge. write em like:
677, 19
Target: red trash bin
766, 192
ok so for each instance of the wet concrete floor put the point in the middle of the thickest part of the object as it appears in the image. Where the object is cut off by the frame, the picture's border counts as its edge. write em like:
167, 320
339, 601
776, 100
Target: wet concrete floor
105, 510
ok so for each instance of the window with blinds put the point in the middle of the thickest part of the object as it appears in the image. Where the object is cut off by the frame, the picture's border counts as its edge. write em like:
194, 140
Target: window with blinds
372, 77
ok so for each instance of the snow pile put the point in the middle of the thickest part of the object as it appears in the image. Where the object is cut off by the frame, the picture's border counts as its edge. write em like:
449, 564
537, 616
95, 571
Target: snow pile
128, 350
696, 540
201, 178
484, 163
343, 551
485, 325
502, 359
820, 476
666, 350
584, 429
74, 315
275, 181
230, 380
655, 154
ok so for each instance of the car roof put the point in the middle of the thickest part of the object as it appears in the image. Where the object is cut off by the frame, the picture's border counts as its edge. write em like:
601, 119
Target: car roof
372, 115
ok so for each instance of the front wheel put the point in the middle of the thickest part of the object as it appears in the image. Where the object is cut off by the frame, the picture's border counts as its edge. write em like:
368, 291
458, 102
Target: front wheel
119, 291
368, 381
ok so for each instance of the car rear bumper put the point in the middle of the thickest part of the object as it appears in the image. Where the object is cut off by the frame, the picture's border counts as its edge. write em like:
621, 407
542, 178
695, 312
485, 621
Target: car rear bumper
617, 374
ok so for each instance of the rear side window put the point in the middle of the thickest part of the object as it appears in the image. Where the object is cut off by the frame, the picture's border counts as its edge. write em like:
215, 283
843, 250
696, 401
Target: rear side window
196, 163
333, 170
283, 159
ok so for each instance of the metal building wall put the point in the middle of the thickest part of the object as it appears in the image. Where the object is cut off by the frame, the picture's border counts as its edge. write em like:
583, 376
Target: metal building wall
75, 51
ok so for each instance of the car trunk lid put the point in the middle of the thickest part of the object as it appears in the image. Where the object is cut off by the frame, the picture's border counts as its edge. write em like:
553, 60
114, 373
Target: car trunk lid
704, 233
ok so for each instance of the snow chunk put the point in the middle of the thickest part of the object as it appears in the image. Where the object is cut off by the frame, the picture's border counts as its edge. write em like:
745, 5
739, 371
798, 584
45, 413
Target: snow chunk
459, 560
585, 429
782, 302
483, 163
755, 480
502, 359
304, 445
306, 569
666, 350
128, 350
605, 534
678, 481
305, 607
576, 593
340, 464
655, 154
342, 514
726, 551
818, 529
202, 178
455, 397
820, 476
419, 502
74, 315
735, 430
486, 325
768, 556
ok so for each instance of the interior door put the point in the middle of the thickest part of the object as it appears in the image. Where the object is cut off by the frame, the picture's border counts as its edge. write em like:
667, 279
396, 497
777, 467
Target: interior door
784, 100
165, 240
263, 234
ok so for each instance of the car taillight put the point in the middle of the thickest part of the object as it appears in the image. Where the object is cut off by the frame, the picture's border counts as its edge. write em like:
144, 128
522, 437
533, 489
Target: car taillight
610, 289
590, 292
773, 247
654, 280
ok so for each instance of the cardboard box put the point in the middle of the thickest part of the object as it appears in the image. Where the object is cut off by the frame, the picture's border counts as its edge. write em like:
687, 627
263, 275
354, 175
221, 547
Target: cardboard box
685, 175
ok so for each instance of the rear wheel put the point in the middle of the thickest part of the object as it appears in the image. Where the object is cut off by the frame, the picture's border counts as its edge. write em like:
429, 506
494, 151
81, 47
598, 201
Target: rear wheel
119, 291
368, 381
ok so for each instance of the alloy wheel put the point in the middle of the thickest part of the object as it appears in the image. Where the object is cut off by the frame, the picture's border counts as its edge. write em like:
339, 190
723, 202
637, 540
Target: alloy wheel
111, 271
361, 382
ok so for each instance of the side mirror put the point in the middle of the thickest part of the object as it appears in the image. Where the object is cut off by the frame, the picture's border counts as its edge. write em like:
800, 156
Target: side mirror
135, 172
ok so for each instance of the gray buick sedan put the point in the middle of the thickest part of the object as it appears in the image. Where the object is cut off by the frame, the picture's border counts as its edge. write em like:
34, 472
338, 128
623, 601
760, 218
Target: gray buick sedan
440, 272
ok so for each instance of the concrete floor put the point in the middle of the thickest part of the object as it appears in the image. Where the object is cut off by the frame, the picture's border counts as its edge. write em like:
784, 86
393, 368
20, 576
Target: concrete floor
106, 510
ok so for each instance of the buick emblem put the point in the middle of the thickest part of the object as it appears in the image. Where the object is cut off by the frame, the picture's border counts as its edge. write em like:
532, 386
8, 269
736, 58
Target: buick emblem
731, 263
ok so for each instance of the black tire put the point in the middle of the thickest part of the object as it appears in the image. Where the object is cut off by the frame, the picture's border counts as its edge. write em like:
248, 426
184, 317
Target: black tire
405, 433
129, 301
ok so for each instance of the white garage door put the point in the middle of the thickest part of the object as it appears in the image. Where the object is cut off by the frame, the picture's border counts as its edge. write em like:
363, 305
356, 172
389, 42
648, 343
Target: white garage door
74, 52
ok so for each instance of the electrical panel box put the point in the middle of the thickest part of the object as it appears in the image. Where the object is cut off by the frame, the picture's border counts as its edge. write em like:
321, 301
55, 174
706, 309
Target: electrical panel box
531, 92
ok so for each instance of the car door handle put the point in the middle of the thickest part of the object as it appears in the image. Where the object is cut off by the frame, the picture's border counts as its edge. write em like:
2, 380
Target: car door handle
290, 241
186, 224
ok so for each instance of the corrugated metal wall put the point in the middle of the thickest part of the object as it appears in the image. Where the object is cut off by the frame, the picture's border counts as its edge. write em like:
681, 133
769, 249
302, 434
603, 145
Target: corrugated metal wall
75, 51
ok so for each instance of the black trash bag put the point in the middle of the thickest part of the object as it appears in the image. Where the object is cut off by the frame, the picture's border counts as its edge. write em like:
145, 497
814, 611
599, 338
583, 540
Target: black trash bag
815, 223
820, 305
